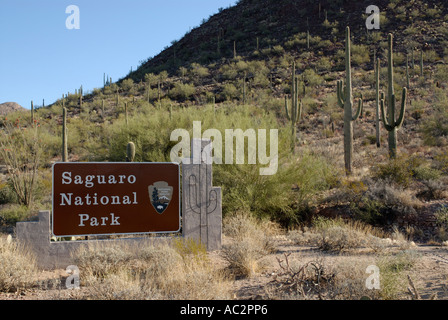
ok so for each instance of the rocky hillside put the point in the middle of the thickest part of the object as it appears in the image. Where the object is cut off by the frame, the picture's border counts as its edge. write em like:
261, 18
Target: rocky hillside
8, 107
258, 26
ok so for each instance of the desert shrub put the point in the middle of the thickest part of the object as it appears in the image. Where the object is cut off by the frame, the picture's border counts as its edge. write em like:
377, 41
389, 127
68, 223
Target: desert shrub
324, 64
382, 203
400, 170
190, 248
17, 267
338, 239
251, 242
117, 286
198, 72
441, 216
127, 85
286, 196
441, 161
338, 235
102, 260
312, 79
21, 150
229, 91
229, 71
434, 128
360, 54
182, 91
393, 273
376, 202
297, 41
7, 195
14, 213
441, 74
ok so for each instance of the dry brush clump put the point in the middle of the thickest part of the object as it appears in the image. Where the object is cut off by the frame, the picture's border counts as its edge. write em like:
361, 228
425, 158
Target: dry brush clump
394, 270
17, 267
153, 271
339, 236
252, 240
318, 279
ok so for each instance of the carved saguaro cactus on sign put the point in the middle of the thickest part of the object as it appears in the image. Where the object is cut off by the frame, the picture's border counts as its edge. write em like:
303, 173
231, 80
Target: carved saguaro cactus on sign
201, 202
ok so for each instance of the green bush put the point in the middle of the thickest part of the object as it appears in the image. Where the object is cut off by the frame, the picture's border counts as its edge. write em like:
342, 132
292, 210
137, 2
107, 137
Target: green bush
229, 91
401, 170
127, 85
182, 91
7, 195
14, 213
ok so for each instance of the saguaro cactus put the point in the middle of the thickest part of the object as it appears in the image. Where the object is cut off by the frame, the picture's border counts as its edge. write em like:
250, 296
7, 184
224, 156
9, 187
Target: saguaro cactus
295, 113
64, 135
80, 98
345, 100
126, 113
378, 99
130, 152
408, 83
244, 88
32, 113
389, 121
307, 39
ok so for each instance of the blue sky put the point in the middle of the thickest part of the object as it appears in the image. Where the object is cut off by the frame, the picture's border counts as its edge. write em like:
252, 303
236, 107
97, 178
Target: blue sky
41, 59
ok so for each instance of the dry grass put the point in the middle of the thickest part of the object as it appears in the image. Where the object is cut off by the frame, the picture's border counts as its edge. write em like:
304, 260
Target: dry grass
393, 268
154, 272
252, 241
17, 267
338, 235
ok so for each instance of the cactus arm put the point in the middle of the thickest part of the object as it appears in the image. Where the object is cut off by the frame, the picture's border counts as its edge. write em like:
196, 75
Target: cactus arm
193, 197
360, 106
383, 117
400, 120
296, 111
212, 201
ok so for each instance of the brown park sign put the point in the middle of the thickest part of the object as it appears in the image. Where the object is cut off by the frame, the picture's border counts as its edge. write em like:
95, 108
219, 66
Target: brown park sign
115, 198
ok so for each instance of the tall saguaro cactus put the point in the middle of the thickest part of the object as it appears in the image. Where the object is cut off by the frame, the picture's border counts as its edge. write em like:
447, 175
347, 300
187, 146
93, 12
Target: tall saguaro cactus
345, 100
390, 123
32, 113
295, 113
64, 135
378, 99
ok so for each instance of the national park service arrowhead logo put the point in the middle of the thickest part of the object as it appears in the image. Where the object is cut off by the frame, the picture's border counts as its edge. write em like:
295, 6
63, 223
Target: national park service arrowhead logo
160, 194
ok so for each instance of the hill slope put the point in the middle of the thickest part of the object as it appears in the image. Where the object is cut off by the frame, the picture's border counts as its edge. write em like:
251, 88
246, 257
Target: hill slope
8, 107
271, 23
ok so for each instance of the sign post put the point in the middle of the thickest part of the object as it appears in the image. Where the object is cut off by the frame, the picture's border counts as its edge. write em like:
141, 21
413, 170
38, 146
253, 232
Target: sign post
92, 199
